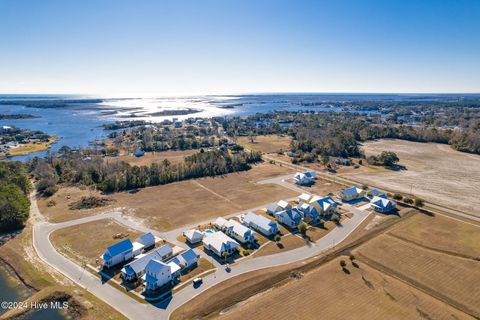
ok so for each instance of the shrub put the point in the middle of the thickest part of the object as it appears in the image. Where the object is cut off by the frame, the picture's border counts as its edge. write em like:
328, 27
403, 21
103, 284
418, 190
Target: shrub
277, 238
418, 202
302, 227
343, 264
397, 196
352, 257
408, 200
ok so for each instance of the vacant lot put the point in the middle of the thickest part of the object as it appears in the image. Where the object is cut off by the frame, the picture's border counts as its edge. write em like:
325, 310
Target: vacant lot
443, 234
322, 187
57, 207
187, 202
84, 243
266, 144
329, 293
434, 172
287, 243
154, 157
448, 277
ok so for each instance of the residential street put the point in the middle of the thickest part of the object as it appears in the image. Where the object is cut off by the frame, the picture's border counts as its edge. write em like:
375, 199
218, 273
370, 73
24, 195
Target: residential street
135, 310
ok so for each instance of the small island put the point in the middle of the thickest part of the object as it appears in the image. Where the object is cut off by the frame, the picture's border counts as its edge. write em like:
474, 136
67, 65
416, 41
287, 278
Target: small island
17, 116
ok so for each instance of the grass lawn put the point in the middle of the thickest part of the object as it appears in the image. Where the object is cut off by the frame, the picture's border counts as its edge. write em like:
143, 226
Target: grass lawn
84, 243
266, 143
31, 147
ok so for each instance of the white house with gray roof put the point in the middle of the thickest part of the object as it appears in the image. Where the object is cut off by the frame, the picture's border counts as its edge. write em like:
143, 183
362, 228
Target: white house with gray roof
351, 194
193, 236
239, 232
260, 224
281, 205
157, 274
291, 217
218, 242
136, 268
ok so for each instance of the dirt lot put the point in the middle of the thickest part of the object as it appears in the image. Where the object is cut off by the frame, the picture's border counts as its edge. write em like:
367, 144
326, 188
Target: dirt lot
85, 247
445, 276
287, 243
174, 205
267, 143
441, 234
154, 157
437, 172
363, 294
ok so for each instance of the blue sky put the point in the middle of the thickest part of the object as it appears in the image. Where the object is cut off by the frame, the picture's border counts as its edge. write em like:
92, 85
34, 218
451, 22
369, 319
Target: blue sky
121, 48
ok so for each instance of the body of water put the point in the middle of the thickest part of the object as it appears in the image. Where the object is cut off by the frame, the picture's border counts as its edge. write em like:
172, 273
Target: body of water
77, 125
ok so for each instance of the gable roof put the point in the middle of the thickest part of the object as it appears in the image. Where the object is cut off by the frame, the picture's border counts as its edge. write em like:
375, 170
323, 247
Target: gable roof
352, 191
119, 247
292, 214
155, 266
220, 241
283, 204
220, 222
310, 174
307, 208
193, 234
237, 227
381, 202
374, 192
189, 257
305, 197
259, 220
147, 239
140, 263
325, 203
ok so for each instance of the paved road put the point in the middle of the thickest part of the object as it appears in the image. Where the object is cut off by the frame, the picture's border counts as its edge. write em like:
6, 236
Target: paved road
339, 179
135, 310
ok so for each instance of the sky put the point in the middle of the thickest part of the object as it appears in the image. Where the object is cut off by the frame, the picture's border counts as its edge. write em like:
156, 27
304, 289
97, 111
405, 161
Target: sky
145, 48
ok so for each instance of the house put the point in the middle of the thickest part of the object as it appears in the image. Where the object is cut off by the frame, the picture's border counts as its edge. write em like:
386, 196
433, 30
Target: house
138, 248
312, 175
193, 236
186, 259
309, 212
239, 232
324, 205
136, 268
281, 205
147, 239
175, 269
157, 275
118, 253
290, 217
382, 204
218, 242
220, 223
351, 193
302, 179
261, 224
304, 198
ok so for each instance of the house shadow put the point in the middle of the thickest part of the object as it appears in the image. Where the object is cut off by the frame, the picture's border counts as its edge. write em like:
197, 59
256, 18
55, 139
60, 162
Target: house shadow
221, 260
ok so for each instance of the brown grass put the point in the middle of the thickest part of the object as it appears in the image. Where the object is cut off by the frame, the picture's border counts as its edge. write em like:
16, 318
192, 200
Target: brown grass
267, 143
287, 243
323, 187
328, 292
170, 206
442, 234
439, 174
84, 243
203, 265
447, 277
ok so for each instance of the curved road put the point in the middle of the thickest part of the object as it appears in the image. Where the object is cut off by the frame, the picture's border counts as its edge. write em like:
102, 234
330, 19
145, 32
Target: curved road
162, 310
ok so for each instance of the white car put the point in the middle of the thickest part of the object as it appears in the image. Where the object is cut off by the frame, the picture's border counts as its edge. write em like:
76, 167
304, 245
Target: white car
197, 281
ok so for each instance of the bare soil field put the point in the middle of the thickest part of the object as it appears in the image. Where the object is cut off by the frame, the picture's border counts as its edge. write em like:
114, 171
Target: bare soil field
267, 143
442, 234
154, 157
434, 172
328, 292
84, 243
447, 277
177, 204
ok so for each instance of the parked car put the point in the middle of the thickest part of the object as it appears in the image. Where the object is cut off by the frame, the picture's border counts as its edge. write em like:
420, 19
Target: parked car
197, 281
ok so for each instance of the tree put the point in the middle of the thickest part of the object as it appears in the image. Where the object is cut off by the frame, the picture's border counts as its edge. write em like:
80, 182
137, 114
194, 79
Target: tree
418, 202
408, 200
343, 264
388, 158
324, 160
352, 257
397, 196
14, 207
277, 238
225, 255
302, 227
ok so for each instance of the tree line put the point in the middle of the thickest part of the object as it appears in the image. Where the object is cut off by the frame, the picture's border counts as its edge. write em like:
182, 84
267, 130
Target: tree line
114, 176
14, 190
